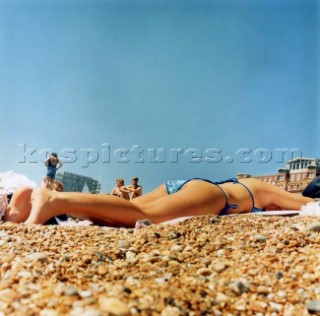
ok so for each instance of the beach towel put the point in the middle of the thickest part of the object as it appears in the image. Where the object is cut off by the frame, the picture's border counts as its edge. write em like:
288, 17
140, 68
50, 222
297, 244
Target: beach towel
11, 181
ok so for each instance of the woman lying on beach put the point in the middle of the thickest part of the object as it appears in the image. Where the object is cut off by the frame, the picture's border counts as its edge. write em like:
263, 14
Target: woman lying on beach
170, 200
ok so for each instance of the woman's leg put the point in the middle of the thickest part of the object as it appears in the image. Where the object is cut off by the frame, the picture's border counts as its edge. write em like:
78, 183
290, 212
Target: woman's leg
156, 194
99, 208
195, 198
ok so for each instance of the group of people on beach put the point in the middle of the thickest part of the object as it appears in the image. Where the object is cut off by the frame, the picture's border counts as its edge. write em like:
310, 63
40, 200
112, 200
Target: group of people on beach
53, 163
128, 192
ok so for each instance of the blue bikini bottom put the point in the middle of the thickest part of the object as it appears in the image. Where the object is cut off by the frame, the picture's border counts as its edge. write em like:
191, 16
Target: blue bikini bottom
176, 185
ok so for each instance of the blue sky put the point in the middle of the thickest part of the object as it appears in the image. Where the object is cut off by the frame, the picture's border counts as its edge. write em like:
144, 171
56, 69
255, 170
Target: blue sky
191, 74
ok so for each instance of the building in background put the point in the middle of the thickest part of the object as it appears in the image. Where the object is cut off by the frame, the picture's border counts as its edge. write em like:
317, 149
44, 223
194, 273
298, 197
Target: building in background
294, 177
77, 183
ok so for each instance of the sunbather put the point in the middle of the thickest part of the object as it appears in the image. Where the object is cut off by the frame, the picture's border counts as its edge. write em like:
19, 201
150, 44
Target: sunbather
119, 190
134, 190
170, 200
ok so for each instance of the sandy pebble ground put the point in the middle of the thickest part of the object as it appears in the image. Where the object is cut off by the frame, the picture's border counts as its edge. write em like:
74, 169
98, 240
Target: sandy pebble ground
245, 265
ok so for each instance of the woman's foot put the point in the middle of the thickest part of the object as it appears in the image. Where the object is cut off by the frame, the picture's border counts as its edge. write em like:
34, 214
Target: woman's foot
19, 207
41, 206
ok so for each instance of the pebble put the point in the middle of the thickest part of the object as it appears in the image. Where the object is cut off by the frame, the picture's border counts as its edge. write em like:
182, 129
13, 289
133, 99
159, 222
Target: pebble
174, 235
6, 258
296, 227
113, 306
260, 238
275, 307
219, 267
170, 311
86, 260
102, 270
133, 249
253, 272
152, 259
221, 298
38, 256
314, 307
100, 257
281, 246
85, 294
220, 253
263, 290
70, 291
204, 272
24, 274
241, 305
123, 244
214, 220
258, 306
176, 248
281, 294
239, 286
313, 227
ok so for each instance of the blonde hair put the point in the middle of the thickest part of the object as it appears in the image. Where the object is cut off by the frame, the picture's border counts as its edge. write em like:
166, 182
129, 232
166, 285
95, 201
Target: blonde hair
57, 185
120, 180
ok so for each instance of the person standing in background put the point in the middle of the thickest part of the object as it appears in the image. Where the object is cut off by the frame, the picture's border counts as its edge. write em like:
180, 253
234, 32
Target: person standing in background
52, 163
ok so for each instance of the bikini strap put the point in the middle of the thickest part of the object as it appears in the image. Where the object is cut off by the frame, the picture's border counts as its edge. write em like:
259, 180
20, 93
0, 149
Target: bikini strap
227, 206
251, 195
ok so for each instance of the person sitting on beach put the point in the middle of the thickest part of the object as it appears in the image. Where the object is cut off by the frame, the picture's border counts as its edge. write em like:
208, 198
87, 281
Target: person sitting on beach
171, 200
52, 166
119, 191
57, 186
134, 190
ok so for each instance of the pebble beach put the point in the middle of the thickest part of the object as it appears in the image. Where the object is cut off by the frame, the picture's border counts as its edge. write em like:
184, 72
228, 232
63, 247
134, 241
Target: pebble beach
243, 265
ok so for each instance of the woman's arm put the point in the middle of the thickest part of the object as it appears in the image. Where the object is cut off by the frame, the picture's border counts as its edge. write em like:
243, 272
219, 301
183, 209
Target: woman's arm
60, 164
125, 189
138, 190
